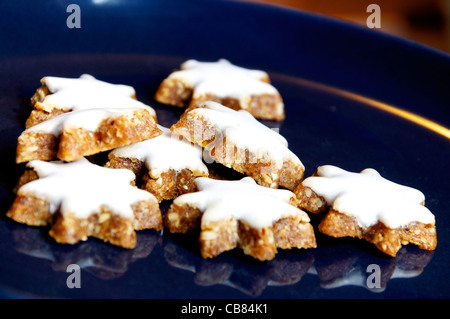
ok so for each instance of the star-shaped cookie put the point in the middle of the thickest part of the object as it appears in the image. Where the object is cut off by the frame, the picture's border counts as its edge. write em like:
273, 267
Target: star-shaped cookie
77, 117
239, 141
167, 163
366, 205
72, 135
60, 95
241, 214
223, 82
81, 199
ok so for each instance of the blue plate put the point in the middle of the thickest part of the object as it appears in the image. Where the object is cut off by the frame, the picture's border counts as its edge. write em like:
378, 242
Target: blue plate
354, 97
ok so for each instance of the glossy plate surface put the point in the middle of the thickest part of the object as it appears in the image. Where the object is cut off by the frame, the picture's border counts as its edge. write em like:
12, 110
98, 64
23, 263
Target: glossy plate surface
354, 98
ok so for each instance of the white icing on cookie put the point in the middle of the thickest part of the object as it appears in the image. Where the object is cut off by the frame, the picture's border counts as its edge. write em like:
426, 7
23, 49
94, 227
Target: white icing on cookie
86, 92
85, 81
246, 133
223, 79
164, 152
88, 119
369, 197
81, 188
194, 72
247, 201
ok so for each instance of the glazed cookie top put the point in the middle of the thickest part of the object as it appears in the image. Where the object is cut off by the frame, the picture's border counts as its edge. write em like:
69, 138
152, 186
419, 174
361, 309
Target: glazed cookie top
243, 199
194, 71
369, 197
86, 92
164, 152
85, 81
245, 132
81, 188
223, 79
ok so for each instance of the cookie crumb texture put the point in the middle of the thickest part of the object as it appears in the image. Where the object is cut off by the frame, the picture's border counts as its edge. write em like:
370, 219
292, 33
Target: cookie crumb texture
388, 240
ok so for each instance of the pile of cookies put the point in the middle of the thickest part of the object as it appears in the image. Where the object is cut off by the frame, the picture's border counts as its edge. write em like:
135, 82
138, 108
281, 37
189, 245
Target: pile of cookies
66, 188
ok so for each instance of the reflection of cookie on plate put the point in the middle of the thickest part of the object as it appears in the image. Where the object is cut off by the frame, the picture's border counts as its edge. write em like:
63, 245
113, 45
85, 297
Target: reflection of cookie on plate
241, 214
249, 278
366, 205
101, 261
239, 141
343, 265
81, 199
231, 85
167, 163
